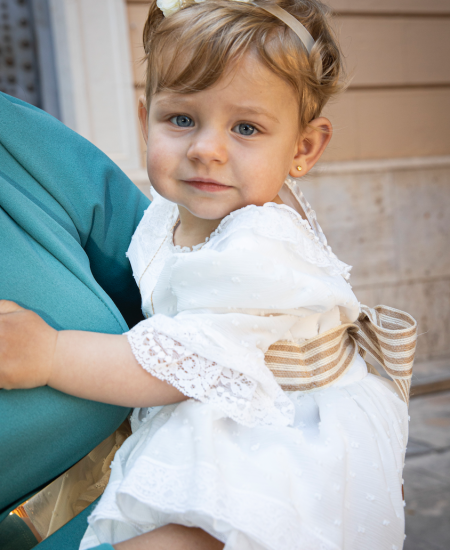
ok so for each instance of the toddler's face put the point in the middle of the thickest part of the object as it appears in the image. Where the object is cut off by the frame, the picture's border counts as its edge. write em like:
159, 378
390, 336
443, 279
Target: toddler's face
226, 147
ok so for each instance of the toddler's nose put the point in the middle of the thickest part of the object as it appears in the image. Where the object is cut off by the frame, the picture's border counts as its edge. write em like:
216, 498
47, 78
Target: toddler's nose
208, 146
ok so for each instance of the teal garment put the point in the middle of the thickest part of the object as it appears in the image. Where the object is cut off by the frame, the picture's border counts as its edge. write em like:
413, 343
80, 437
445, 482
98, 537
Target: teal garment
15, 534
67, 214
70, 535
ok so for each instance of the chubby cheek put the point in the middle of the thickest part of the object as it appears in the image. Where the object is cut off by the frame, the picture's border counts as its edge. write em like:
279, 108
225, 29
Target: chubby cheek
263, 184
158, 158
160, 163
262, 171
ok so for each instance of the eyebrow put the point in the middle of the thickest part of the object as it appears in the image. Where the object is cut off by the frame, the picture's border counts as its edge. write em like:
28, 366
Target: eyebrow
171, 103
167, 103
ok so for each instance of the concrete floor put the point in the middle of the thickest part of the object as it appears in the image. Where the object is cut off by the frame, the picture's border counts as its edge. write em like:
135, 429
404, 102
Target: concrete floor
427, 474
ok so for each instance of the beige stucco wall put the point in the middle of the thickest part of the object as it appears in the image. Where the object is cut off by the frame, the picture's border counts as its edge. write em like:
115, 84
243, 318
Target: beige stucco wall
392, 225
382, 194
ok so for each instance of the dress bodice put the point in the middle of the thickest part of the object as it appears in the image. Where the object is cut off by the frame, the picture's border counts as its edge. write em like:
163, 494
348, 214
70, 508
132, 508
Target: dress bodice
258, 259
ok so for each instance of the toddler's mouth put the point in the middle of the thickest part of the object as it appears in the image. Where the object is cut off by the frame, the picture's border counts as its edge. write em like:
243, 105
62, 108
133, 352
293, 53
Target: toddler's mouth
206, 184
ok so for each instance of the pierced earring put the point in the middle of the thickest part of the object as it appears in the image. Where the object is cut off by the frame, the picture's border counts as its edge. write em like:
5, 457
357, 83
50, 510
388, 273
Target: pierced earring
299, 168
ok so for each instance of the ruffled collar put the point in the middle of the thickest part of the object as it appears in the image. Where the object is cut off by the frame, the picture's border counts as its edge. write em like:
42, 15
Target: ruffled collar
312, 227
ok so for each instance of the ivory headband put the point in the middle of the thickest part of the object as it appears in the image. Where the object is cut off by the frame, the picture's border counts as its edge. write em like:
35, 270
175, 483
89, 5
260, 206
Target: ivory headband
293, 23
168, 7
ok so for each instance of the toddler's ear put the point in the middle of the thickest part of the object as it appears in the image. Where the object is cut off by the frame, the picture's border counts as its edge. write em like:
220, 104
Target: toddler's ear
143, 117
311, 145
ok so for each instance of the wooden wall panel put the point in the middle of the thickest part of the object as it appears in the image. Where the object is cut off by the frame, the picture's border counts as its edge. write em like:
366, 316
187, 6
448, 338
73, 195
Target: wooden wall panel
391, 6
392, 51
378, 124
137, 15
379, 50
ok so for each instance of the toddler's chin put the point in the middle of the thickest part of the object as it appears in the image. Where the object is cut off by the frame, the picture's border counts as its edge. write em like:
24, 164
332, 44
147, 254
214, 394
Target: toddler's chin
208, 212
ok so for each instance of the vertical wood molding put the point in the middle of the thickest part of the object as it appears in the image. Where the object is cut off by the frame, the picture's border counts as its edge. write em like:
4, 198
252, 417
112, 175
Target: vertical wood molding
95, 81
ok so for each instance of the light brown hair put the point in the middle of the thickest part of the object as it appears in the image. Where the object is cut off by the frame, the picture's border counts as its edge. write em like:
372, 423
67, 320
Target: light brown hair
190, 50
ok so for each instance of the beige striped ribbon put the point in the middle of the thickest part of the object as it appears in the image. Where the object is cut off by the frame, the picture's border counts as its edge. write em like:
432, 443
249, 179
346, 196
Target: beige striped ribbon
388, 334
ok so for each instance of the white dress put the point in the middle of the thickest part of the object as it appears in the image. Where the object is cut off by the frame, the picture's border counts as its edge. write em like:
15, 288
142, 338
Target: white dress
254, 466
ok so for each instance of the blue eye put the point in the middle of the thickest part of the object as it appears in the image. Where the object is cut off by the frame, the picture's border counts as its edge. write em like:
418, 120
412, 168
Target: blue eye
245, 129
182, 121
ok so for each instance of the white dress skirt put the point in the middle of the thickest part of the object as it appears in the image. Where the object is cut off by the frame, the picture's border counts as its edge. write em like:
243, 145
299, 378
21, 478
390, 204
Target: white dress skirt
254, 466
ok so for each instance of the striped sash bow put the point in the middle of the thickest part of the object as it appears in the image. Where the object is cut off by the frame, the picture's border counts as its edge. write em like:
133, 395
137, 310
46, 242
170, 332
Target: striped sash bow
388, 334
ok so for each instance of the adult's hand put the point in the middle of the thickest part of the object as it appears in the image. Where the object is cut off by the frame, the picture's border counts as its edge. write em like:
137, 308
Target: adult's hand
27, 346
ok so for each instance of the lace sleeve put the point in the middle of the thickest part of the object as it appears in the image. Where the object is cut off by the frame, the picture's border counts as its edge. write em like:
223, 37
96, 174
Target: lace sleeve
234, 393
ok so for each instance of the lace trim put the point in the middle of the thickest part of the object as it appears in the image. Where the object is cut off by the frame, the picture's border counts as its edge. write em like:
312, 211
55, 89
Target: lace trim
186, 249
237, 395
199, 489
